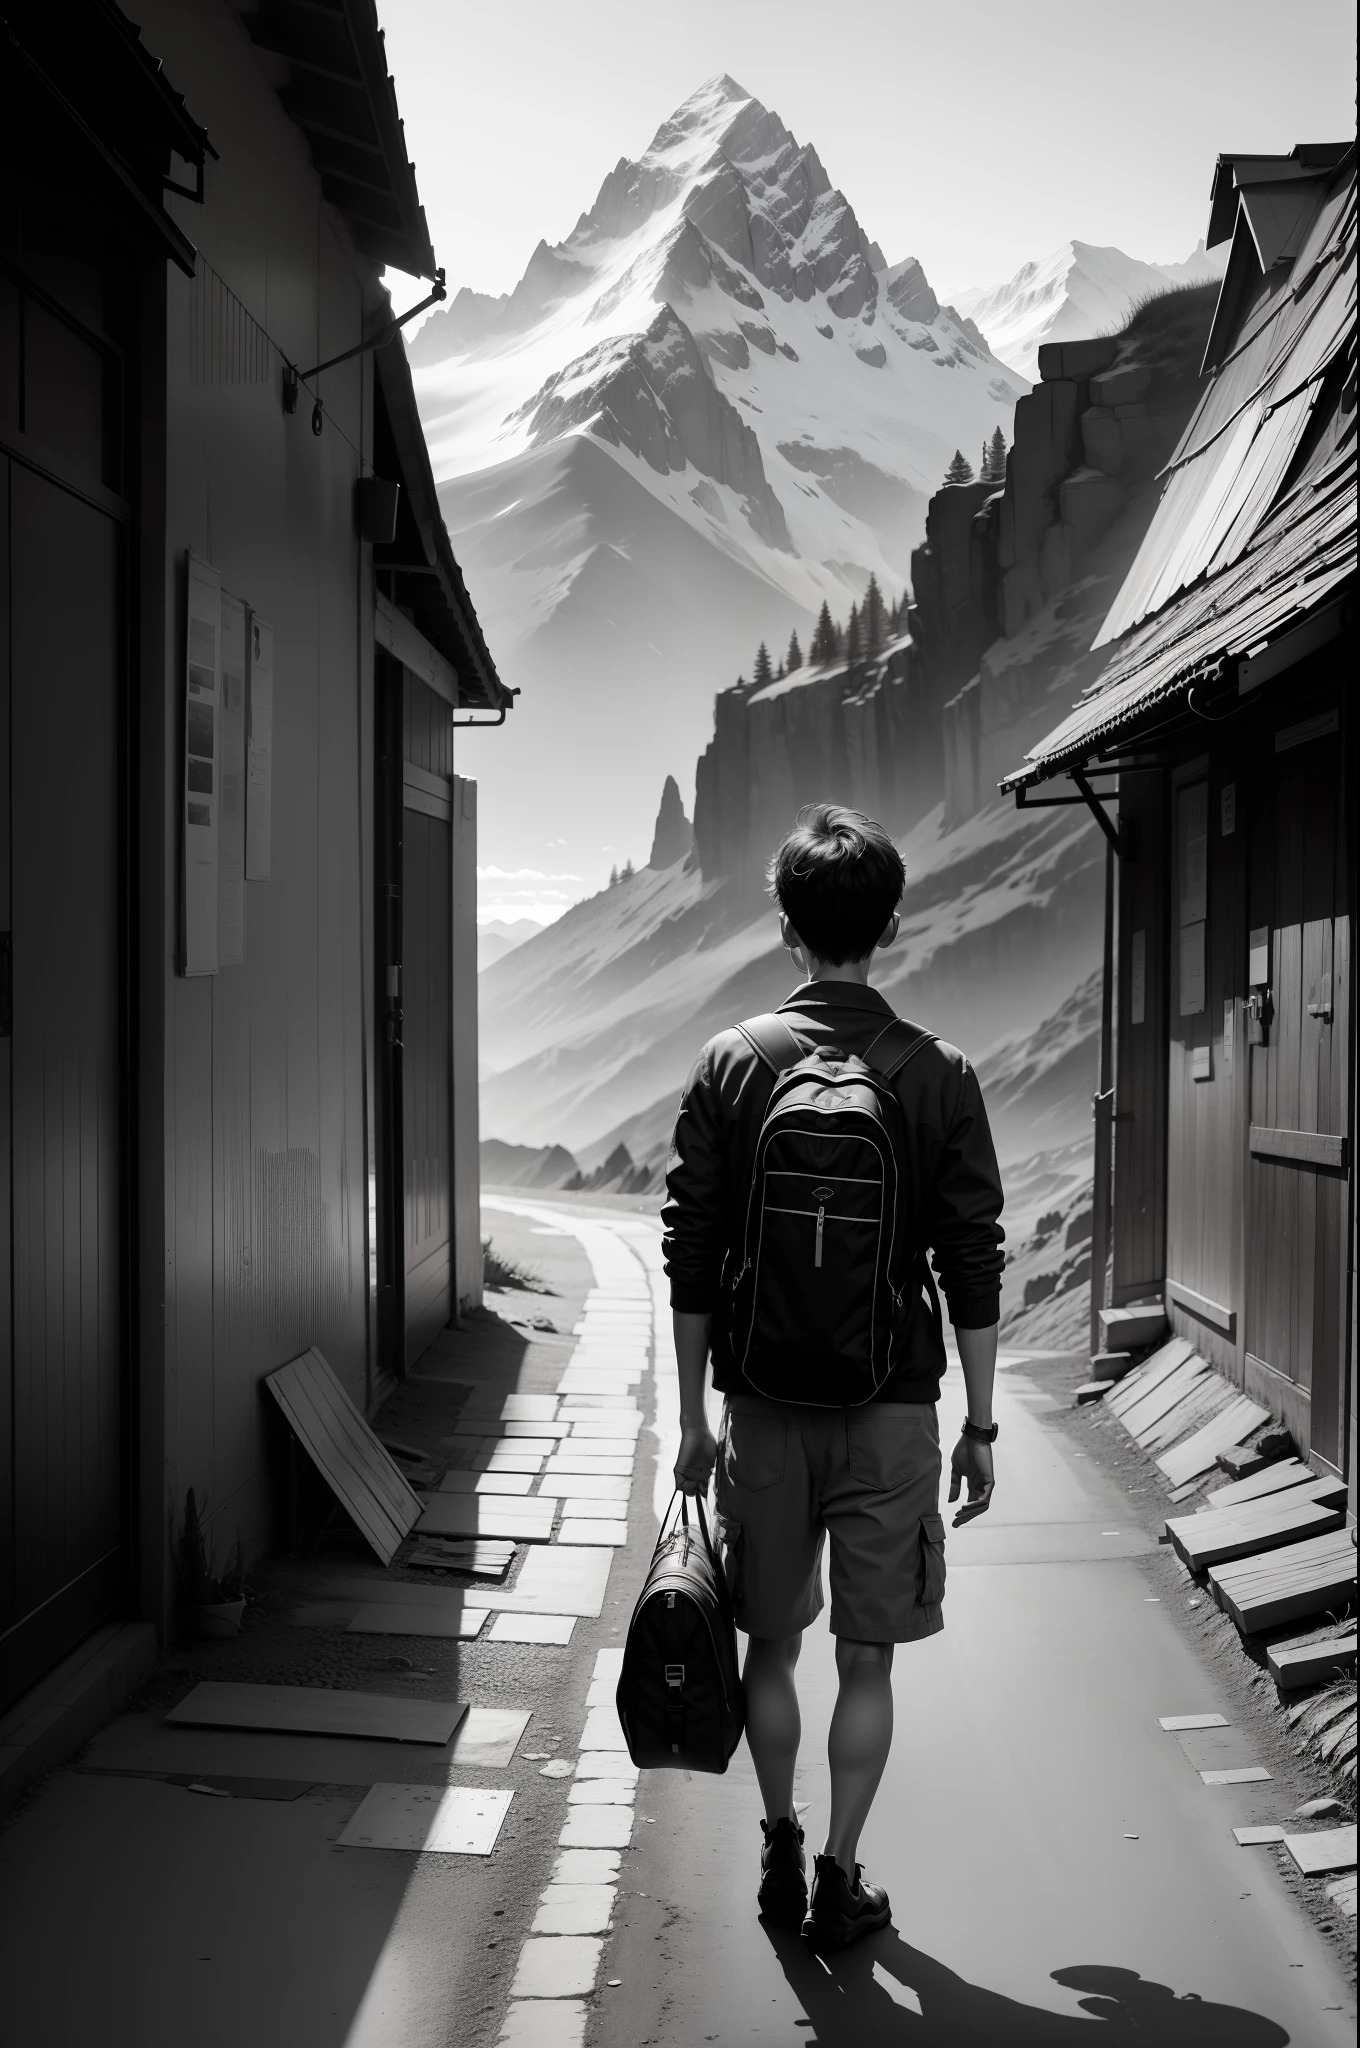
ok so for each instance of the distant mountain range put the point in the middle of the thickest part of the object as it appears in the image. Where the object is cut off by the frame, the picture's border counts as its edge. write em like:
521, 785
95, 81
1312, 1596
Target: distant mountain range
714, 405
499, 936
1076, 291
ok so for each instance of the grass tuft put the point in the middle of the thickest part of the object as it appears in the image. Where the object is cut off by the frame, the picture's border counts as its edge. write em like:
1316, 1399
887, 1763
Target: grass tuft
500, 1273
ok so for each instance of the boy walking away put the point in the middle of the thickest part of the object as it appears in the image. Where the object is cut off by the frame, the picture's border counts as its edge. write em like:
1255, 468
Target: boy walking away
819, 1154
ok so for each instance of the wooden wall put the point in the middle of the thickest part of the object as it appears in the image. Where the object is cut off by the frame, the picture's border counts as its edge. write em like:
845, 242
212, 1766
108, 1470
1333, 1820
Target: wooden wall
1205, 1072
467, 1173
1139, 1265
257, 1204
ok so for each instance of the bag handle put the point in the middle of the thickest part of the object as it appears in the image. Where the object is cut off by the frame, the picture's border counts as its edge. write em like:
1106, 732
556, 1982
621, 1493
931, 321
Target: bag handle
703, 1526
773, 1041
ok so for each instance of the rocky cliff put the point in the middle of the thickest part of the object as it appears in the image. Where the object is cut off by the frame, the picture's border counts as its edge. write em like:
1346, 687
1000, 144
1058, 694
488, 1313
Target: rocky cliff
1008, 589
1045, 555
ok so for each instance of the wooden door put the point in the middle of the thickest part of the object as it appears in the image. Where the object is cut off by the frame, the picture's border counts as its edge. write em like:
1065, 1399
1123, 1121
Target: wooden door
1141, 1047
413, 865
1298, 1166
62, 1352
427, 1059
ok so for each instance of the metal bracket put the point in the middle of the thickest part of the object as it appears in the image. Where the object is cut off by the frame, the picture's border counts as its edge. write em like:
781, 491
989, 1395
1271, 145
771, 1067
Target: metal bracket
292, 376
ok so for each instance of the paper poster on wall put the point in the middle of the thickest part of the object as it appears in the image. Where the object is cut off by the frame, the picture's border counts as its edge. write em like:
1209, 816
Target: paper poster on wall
1138, 978
1194, 853
202, 698
231, 838
260, 749
1192, 969
1229, 1034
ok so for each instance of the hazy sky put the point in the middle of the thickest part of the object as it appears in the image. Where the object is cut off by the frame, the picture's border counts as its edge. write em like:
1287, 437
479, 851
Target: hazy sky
974, 136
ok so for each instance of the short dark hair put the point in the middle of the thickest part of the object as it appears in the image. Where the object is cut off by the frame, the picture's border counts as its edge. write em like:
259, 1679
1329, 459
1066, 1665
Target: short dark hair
838, 878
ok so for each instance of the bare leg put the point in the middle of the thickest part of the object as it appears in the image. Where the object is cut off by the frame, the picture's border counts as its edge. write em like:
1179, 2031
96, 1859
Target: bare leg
858, 1744
773, 1723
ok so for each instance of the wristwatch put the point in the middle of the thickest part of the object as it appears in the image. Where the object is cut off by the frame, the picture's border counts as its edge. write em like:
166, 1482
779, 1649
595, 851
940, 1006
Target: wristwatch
978, 1434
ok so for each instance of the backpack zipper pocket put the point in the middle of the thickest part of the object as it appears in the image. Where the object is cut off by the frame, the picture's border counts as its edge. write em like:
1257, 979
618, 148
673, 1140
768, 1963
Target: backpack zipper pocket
821, 1218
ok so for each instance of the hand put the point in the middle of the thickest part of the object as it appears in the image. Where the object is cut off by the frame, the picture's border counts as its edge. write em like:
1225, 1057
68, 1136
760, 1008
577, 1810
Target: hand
971, 1461
695, 1459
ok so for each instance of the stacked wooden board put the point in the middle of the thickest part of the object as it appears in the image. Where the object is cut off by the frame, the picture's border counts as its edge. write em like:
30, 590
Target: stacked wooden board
1314, 1576
1273, 1544
1253, 1528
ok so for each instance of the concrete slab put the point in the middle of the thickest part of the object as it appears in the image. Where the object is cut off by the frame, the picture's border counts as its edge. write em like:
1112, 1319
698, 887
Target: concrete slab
486, 1739
532, 1628
432, 1820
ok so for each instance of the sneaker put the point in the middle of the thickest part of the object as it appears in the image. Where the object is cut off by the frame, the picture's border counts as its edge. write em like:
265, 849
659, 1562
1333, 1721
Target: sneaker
841, 1912
783, 1870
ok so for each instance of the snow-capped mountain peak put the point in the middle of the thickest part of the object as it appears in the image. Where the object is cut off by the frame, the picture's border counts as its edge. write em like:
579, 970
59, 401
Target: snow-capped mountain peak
708, 408
1077, 290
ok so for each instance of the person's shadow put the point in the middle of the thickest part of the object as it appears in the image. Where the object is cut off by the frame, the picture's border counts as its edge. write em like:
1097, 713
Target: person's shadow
851, 2003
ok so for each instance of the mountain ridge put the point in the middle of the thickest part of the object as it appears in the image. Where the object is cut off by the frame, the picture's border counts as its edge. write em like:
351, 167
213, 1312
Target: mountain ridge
719, 325
1078, 290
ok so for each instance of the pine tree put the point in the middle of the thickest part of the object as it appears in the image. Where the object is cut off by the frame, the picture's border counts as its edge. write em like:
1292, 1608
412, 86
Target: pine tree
853, 644
994, 459
960, 470
794, 658
872, 621
823, 637
779, 673
626, 872
614, 876
762, 673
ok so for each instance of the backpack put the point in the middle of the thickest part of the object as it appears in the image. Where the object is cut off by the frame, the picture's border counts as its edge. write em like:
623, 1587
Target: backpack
679, 1694
816, 1299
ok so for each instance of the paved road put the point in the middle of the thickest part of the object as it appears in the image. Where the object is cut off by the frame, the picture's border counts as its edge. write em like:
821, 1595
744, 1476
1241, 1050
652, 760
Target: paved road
1027, 1753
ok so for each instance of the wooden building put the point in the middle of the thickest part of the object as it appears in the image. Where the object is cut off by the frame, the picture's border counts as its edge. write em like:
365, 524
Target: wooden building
1222, 727
237, 868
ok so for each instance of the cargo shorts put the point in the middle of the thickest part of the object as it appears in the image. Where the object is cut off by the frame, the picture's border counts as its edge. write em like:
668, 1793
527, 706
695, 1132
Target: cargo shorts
787, 1477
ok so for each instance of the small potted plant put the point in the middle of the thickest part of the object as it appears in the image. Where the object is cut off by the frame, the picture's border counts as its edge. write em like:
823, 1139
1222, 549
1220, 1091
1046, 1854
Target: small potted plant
215, 1601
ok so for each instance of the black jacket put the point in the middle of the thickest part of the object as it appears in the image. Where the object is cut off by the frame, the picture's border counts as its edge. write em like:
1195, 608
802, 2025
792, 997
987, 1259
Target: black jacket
708, 1176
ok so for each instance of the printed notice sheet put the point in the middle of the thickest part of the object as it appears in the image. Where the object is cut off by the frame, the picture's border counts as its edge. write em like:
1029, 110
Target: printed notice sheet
202, 699
231, 843
260, 750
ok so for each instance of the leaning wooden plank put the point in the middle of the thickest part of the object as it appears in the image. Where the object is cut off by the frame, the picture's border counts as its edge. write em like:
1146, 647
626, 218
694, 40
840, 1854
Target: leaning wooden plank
1199, 1452
1204, 1401
328, 1452
318, 1710
1318, 1576
1173, 1389
386, 1476
1151, 1373
1202, 1540
359, 1472
1324, 1488
472, 1514
1294, 1666
1270, 1479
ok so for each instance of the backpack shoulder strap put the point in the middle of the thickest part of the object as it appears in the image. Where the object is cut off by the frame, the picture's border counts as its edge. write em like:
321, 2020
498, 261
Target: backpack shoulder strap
896, 1043
771, 1039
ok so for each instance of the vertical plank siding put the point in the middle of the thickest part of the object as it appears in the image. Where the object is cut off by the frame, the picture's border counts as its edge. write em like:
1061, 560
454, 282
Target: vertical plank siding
1141, 1051
64, 1545
427, 1025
